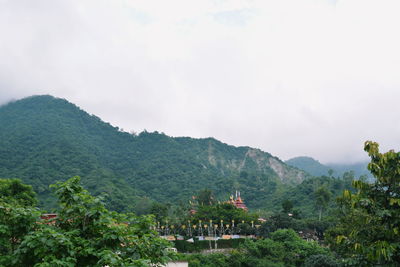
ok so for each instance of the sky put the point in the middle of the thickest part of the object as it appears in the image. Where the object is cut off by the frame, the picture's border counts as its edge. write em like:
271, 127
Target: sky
291, 77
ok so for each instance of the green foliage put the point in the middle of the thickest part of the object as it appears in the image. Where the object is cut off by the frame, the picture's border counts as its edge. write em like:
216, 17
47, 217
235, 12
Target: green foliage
224, 211
16, 222
160, 211
13, 190
287, 206
43, 138
17, 216
368, 232
84, 233
284, 248
322, 197
205, 197
211, 260
321, 260
302, 196
197, 246
281, 220
297, 249
315, 168
310, 165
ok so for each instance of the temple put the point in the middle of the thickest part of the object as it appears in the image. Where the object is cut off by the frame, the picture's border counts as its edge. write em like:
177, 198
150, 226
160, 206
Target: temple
238, 202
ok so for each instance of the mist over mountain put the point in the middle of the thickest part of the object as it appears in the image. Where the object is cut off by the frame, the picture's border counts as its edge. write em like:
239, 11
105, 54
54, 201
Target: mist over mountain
44, 139
359, 168
315, 168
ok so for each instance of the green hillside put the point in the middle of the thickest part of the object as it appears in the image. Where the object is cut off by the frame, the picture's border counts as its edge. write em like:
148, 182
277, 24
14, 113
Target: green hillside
45, 139
309, 165
358, 169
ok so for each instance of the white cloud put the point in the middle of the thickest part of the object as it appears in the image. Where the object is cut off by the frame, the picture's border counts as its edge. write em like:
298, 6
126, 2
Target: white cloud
311, 77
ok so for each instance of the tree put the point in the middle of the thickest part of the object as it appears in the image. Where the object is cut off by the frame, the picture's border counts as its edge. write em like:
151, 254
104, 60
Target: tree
348, 178
13, 190
225, 211
284, 246
368, 233
159, 210
287, 206
16, 222
206, 197
17, 215
321, 260
85, 233
322, 197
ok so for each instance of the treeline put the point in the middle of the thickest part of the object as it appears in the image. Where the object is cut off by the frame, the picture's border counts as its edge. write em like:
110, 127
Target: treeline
303, 197
310, 203
357, 219
363, 229
85, 233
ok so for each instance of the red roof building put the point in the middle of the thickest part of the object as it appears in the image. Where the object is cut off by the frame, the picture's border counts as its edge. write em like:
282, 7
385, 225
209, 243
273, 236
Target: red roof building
238, 202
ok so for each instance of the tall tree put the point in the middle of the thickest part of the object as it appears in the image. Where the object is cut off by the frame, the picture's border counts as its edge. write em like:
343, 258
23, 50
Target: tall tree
287, 206
159, 210
369, 230
13, 190
348, 178
322, 197
16, 221
17, 216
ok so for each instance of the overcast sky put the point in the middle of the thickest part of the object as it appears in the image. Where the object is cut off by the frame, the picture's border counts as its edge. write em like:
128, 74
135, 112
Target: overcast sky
291, 77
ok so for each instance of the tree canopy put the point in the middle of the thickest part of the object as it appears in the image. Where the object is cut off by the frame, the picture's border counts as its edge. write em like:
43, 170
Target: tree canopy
368, 232
322, 197
224, 211
13, 190
84, 233
284, 248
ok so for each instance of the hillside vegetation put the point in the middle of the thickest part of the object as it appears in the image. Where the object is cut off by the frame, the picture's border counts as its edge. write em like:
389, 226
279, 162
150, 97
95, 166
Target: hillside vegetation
315, 168
44, 139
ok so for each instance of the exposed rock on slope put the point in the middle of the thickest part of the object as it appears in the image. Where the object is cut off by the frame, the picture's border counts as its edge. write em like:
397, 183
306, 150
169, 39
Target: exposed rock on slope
44, 139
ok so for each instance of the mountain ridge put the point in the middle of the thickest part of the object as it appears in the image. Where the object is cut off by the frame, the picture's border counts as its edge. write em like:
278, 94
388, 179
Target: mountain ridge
45, 139
315, 168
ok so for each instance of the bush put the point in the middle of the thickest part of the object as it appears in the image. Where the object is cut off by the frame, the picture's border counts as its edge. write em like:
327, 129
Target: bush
197, 246
321, 260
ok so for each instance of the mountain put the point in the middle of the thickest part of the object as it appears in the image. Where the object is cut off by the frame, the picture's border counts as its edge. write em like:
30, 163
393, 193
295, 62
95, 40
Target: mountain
359, 169
310, 165
315, 168
44, 139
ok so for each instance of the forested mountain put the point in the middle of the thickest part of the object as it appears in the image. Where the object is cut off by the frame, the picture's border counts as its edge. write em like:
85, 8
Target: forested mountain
358, 169
44, 139
315, 168
308, 164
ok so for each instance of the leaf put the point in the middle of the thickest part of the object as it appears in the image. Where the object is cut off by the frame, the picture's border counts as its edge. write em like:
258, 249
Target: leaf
340, 238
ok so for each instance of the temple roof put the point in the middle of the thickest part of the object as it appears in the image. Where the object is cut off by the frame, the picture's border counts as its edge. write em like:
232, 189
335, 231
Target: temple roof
238, 202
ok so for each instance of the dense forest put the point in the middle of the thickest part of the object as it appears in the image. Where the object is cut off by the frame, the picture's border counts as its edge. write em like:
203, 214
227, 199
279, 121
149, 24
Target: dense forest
179, 187
84, 232
44, 139
363, 232
315, 168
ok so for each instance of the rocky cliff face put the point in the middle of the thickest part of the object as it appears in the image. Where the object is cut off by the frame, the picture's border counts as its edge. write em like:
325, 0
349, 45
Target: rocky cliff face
252, 159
